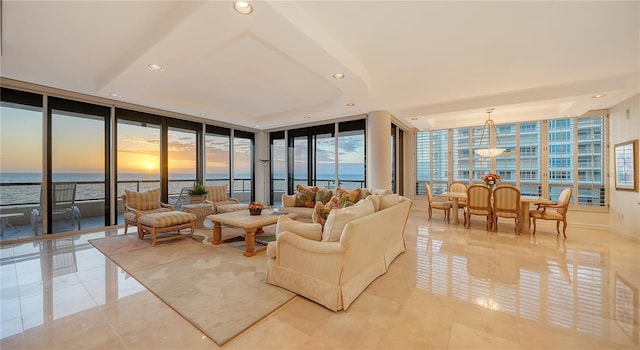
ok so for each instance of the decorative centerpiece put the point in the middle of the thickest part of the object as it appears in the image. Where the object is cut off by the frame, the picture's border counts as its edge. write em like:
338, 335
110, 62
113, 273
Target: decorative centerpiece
491, 180
255, 208
198, 193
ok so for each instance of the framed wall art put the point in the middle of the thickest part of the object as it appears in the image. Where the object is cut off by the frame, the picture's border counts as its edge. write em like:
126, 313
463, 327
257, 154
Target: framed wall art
626, 168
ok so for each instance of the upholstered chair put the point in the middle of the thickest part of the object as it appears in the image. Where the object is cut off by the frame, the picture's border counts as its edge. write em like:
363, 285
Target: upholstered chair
478, 203
137, 204
506, 204
459, 187
217, 196
553, 211
444, 205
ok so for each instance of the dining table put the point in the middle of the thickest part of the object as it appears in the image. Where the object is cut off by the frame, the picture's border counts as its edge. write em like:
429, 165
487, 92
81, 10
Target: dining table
525, 204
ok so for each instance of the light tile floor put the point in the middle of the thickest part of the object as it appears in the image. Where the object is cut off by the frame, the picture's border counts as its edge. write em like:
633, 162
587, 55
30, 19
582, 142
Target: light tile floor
453, 289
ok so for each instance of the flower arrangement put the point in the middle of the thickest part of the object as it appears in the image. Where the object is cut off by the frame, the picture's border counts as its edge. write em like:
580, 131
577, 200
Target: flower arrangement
255, 208
256, 205
491, 179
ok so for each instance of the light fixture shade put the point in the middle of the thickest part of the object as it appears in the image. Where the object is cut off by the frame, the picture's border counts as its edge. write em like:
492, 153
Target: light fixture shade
489, 152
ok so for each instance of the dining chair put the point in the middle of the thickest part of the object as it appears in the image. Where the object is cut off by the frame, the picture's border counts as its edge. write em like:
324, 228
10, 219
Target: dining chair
553, 211
478, 203
506, 204
444, 205
459, 187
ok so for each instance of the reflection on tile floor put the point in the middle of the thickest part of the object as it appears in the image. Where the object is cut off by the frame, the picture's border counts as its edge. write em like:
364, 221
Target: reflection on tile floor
453, 288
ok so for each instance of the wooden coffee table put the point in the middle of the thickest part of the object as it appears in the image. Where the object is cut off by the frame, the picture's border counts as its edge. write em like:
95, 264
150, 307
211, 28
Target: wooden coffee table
252, 225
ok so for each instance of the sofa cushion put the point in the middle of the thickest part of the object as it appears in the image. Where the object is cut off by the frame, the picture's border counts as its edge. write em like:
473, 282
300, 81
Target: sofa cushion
216, 193
389, 201
304, 229
339, 218
306, 196
143, 200
375, 200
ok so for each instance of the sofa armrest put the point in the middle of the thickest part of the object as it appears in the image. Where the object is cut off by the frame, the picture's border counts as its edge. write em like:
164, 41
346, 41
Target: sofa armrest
320, 260
235, 200
288, 200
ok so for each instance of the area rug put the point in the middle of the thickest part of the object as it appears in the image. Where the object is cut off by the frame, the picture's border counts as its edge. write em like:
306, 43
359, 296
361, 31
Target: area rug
216, 288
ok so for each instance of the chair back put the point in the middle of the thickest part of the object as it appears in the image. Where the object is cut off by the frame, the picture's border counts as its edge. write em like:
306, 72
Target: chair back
479, 197
506, 198
563, 200
64, 196
458, 187
429, 195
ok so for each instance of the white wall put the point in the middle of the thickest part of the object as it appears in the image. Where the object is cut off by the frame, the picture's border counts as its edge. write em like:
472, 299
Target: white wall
624, 213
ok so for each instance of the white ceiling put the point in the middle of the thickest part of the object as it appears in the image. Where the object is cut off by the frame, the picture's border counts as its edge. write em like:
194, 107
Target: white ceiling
431, 64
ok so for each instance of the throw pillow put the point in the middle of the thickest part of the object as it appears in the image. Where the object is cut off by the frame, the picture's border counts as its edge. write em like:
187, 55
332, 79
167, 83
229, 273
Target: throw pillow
323, 195
216, 193
339, 218
304, 229
306, 197
347, 198
321, 211
143, 200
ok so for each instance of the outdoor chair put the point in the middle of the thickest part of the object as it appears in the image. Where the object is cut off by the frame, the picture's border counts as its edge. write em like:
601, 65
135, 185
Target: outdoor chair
63, 204
137, 204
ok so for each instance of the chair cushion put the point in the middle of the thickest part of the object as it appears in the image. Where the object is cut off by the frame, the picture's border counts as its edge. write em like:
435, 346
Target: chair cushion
167, 219
216, 193
304, 229
339, 218
131, 216
143, 200
549, 214
224, 207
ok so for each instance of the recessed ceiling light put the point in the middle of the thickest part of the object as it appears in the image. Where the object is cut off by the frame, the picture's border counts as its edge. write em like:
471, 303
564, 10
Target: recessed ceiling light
203, 114
598, 95
154, 66
338, 75
242, 7
307, 117
350, 104
113, 94
414, 118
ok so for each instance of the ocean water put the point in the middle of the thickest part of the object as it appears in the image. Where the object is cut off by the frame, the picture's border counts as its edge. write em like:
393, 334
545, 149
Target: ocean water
90, 186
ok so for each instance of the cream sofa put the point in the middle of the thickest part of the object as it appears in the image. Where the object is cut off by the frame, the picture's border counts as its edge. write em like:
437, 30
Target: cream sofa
304, 213
332, 266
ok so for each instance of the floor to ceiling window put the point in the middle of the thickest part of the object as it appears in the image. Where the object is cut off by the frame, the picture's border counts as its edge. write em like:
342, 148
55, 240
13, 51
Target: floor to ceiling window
218, 157
397, 156
243, 175
21, 155
323, 155
278, 158
182, 146
298, 154
79, 136
138, 157
352, 153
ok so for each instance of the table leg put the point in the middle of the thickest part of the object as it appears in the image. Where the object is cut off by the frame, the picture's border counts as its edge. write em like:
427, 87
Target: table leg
454, 202
217, 233
249, 242
524, 217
